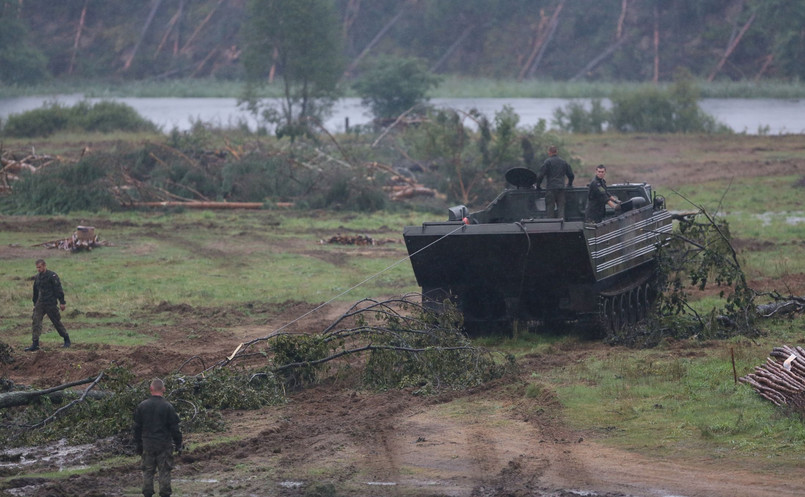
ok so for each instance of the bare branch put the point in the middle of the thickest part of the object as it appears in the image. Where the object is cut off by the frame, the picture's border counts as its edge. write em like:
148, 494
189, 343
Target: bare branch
63, 409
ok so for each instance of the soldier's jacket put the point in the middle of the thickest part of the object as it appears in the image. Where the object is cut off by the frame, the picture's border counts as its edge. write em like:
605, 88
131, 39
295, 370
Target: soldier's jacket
156, 424
47, 288
555, 169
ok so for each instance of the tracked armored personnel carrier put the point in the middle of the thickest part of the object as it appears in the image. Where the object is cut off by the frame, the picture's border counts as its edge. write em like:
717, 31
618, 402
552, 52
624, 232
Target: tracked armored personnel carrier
512, 261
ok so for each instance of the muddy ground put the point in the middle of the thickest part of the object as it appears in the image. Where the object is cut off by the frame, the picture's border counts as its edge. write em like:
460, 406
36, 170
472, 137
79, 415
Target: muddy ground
335, 440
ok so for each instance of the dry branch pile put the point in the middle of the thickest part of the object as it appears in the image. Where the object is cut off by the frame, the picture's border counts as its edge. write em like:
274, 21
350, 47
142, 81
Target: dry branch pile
83, 238
13, 164
781, 379
355, 240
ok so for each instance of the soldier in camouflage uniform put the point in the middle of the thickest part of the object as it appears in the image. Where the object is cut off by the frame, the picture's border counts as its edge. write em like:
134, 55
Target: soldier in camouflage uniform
48, 299
156, 433
555, 169
598, 197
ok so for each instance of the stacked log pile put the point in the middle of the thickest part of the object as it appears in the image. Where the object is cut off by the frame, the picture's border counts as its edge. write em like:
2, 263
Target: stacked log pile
781, 379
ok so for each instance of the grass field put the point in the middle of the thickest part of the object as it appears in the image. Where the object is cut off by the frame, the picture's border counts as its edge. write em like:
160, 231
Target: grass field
450, 87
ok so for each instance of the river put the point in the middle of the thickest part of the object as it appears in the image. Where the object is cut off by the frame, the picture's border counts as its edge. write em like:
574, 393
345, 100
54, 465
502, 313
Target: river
750, 116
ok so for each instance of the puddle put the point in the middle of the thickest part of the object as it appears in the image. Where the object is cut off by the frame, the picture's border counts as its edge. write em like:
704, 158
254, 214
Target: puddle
291, 484
59, 455
789, 218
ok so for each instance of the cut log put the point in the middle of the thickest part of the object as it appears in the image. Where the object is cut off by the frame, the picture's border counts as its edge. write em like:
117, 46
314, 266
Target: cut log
200, 205
21, 398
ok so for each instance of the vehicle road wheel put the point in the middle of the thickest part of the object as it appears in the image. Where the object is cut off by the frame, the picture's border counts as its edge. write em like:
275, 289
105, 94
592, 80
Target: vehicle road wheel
617, 312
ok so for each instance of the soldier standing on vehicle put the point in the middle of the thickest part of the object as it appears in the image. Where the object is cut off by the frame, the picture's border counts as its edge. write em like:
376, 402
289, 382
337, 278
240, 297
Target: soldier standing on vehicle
598, 197
555, 169
48, 299
157, 433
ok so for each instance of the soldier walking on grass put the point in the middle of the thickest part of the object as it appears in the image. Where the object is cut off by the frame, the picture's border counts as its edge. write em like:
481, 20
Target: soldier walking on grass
156, 433
48, 299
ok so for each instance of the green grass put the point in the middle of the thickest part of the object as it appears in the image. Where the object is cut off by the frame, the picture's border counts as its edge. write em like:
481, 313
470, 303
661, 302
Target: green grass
233, 259
663, 402
766, 219
451, 87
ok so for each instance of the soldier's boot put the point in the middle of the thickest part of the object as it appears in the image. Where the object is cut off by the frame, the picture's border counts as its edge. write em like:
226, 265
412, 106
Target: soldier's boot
67, 341
34, 346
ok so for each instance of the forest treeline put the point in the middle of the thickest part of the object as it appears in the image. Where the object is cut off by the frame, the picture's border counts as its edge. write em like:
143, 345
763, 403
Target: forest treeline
595, 40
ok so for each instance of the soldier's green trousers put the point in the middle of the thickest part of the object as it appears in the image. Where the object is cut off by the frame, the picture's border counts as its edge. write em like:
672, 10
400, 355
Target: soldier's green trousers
52, 311
157, 460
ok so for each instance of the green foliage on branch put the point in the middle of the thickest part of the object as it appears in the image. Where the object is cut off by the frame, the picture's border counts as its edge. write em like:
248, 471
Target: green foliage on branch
303, 351
438, 358
466, 163
197, 399
700, 255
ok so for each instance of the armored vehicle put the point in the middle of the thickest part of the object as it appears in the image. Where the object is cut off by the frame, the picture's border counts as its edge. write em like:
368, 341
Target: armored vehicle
513, 261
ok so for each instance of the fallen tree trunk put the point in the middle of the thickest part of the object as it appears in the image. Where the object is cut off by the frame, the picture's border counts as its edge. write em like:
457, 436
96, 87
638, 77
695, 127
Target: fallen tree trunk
781, 306
21, 398
200, 205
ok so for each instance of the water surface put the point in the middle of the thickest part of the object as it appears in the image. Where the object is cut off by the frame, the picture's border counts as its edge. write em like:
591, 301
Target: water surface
751, 116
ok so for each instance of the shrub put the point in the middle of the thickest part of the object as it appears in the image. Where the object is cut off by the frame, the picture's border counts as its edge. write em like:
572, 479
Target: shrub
63, 188
648, 109
577, 119
256, 178
392, 85
107, 117
347, 192
103, 117
44, 121
466, 165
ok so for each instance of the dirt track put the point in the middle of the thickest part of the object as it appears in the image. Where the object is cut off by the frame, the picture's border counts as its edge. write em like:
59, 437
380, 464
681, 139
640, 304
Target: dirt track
490, 441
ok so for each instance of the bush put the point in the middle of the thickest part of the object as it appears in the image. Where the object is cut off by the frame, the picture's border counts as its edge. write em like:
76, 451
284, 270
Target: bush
44, 121
392, 85
256, 178
649, 109
103, 117
63, 188
346, 192
576, 119
107, 117
466, 165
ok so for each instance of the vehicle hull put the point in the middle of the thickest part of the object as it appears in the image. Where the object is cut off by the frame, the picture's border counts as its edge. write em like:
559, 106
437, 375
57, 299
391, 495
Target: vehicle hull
536, 268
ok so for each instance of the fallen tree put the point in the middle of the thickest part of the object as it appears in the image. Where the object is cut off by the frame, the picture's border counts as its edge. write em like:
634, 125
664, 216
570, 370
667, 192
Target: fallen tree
385, 344
55, 394
199, 205
700, 255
